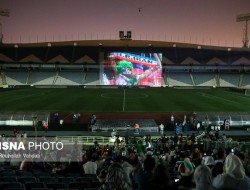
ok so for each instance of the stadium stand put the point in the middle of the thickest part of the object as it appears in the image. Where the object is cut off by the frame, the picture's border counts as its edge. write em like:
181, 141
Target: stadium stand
70, 78
16, 78
180, 79
246, 81
229, 79
52, 63
42, 77
92, 78
204, 79
67, 65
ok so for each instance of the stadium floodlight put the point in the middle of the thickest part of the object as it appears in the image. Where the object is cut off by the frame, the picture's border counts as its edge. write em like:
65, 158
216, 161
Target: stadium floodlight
3, 12
245, 18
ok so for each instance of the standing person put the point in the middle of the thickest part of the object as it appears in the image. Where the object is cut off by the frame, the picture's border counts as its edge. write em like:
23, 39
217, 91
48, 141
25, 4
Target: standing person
137, 129
206, 124
177, 129
113, 133
93, 119
234, 176
198, 126
45, 126
161, 129
14, 132
24, 135
56, 118
184, 120
172, 121
127, 134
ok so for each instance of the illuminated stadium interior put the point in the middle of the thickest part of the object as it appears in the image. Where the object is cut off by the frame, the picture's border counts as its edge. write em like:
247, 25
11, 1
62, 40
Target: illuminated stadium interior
95, 92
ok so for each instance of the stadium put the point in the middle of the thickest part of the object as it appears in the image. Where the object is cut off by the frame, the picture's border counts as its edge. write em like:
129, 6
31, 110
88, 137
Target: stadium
188, 72
124, 95
76, 92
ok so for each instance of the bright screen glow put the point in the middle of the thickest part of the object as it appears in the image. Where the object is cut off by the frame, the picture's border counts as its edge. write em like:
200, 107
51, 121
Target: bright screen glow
132, 69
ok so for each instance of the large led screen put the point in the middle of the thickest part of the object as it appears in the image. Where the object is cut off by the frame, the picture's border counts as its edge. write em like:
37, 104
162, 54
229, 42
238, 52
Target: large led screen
132, 69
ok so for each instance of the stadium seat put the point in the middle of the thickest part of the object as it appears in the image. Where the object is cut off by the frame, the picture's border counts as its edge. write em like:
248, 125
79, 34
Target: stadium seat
24, 173
84, 179
56, 186
78, 185
48, 179
66, 180
8, 179
11, 185
27, 179
32, 185
6, 173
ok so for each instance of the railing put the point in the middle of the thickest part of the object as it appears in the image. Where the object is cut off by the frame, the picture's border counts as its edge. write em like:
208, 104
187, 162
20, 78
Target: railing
199, 137
87, 140
90, 140
229, 144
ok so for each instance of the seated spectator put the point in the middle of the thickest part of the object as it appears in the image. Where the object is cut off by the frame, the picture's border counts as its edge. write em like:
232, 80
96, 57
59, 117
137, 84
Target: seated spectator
116, 179
146, 173
220, 156
208, 161
186, 171
90, 167
161, 178
102, 172
196, 157
25, 165
243, 159
203, 178
135, 172
234, 176
217, 169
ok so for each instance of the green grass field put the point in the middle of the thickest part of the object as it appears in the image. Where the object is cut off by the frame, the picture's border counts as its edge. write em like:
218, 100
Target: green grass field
123, 100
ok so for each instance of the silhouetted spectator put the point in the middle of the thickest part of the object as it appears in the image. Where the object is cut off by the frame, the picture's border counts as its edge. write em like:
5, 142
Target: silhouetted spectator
161, 178
203, 178
116, 179
234, 176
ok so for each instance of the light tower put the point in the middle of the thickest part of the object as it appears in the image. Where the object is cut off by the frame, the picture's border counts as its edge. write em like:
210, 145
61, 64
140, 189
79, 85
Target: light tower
3, 12
246, 18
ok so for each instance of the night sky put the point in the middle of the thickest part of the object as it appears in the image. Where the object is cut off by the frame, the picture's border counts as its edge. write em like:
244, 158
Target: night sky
211, 22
